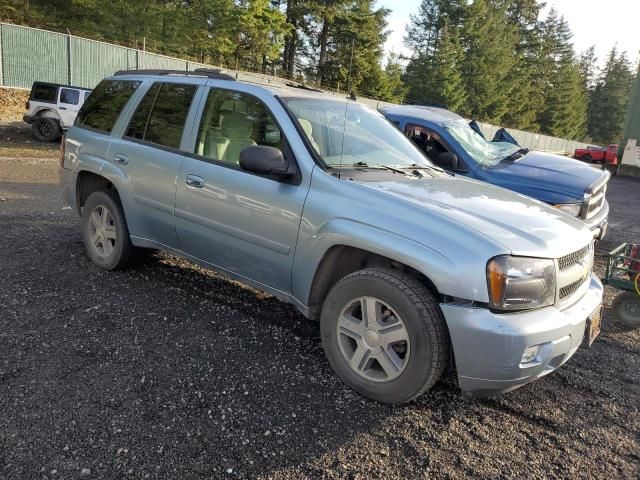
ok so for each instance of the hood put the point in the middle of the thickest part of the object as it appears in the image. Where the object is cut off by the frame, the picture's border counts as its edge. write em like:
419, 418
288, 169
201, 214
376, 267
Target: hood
521, 225
545, 176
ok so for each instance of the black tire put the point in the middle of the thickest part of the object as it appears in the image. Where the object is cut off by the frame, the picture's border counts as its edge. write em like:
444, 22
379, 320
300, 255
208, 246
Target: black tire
45, 129
425, 326
587, 158
120, 255
627, 308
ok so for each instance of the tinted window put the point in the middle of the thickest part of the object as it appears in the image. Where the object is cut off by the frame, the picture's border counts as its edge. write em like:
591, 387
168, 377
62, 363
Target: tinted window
233, 121
138, 124
102, 108
162, 113
71, 97
44, 93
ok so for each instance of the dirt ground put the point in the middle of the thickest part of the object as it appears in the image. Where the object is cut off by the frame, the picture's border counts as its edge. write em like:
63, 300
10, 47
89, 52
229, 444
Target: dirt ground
169, 371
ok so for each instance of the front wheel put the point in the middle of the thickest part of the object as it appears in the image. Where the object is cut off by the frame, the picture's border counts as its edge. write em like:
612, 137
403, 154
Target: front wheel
627, 308
384, 335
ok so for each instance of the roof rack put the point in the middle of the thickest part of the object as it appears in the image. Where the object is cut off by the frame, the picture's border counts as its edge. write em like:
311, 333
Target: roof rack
216, 73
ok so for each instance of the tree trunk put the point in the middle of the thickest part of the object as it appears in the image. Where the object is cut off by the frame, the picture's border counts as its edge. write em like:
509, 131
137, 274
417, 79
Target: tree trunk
289, 54
324, 37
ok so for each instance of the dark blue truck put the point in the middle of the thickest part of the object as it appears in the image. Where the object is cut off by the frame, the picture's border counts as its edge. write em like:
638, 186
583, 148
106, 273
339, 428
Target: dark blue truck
569, 185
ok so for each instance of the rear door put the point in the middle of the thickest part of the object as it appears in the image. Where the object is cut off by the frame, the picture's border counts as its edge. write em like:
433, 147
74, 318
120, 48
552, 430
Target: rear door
69, 103
149, 152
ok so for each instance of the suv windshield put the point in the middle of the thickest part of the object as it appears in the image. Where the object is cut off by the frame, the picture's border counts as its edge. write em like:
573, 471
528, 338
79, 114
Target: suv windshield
346, 134
484, 153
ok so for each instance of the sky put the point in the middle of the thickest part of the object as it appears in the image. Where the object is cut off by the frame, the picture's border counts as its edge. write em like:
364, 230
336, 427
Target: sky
591, 23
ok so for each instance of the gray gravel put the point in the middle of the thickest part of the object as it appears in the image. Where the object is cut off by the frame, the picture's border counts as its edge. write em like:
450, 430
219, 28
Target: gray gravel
169, 371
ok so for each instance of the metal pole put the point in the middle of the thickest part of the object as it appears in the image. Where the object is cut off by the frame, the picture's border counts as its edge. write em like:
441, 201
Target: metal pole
1, 58
69, 79
144, 50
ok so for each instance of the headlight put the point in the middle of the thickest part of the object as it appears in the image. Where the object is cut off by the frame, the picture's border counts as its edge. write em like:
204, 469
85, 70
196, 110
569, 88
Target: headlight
572, 209
519, 283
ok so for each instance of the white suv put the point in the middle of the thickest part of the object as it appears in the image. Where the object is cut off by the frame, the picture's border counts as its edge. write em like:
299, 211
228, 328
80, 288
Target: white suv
52, 108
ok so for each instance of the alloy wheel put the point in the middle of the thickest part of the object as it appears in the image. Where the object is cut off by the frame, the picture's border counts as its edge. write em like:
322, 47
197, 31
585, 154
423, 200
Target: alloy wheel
373, 339
102, 231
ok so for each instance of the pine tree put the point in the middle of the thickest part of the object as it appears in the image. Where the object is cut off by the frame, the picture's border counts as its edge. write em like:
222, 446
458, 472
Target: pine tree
565, 101
610, 99
441, 81
489, 44
527, 91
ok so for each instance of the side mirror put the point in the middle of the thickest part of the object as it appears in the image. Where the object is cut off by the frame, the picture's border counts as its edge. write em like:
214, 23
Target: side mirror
265, 160
448, 161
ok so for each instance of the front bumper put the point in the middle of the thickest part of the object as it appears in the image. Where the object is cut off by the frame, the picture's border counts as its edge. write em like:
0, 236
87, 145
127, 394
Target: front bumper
488, 346
599, 223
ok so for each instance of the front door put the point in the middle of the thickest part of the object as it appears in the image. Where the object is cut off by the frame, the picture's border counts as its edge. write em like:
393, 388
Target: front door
240, 222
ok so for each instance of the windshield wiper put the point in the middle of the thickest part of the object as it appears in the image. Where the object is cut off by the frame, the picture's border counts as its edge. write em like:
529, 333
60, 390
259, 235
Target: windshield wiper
517, 154
380, 165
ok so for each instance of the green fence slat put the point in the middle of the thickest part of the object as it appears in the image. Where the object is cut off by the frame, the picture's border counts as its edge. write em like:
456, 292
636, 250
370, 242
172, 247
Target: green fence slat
155, 61
91, 61
33, 55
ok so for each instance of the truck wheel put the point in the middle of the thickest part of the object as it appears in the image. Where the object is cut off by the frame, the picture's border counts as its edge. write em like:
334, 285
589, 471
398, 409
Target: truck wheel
627, 308
45, 129
384, 335
587, 158
105, 231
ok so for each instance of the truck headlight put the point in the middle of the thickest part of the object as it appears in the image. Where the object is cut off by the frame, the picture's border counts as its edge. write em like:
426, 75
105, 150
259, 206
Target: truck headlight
519, 283
572, 209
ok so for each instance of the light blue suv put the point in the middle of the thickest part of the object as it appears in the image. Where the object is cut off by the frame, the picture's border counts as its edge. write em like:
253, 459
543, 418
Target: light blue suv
321, 202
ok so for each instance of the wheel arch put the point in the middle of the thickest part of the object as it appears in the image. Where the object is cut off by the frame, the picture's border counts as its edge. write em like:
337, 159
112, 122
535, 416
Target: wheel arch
341, 260
47, 112
88, 182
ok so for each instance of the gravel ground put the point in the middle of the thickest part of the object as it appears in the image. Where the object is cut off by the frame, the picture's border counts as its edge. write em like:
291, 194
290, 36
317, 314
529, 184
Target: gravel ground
169, 371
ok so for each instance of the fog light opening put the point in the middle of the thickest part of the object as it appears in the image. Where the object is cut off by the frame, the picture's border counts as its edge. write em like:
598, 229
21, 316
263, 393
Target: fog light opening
530, 354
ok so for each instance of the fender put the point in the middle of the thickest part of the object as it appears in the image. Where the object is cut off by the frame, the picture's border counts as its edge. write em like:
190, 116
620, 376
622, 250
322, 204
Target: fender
48, 113
445, 273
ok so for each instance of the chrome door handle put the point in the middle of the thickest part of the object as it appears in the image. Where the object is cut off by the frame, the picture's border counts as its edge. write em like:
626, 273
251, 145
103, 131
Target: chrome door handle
62, 108
121, 158
194, 181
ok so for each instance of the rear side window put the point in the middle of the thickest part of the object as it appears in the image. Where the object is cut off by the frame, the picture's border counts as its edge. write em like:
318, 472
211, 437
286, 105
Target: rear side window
102, 108
162, 113
44, 93
72, 97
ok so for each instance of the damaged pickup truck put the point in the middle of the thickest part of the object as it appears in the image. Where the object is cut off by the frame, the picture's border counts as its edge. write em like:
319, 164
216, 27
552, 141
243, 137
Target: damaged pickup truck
564, 183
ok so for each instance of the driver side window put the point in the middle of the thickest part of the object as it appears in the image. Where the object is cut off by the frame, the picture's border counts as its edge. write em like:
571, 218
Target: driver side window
427, 140
232, 121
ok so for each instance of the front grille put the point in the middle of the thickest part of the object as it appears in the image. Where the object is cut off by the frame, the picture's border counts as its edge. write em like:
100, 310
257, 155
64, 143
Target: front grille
593, 203
570, 289
574, 258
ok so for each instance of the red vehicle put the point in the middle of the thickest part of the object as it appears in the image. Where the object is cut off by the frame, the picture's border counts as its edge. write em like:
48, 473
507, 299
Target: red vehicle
598, 154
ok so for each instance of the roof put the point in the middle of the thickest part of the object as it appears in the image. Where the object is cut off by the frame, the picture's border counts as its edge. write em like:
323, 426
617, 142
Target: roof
274, 85
61, 85
432, 114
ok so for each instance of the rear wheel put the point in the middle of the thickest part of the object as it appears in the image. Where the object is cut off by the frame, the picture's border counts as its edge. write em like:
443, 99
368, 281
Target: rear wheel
627, 309
45, 129
384, 335
105, 232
